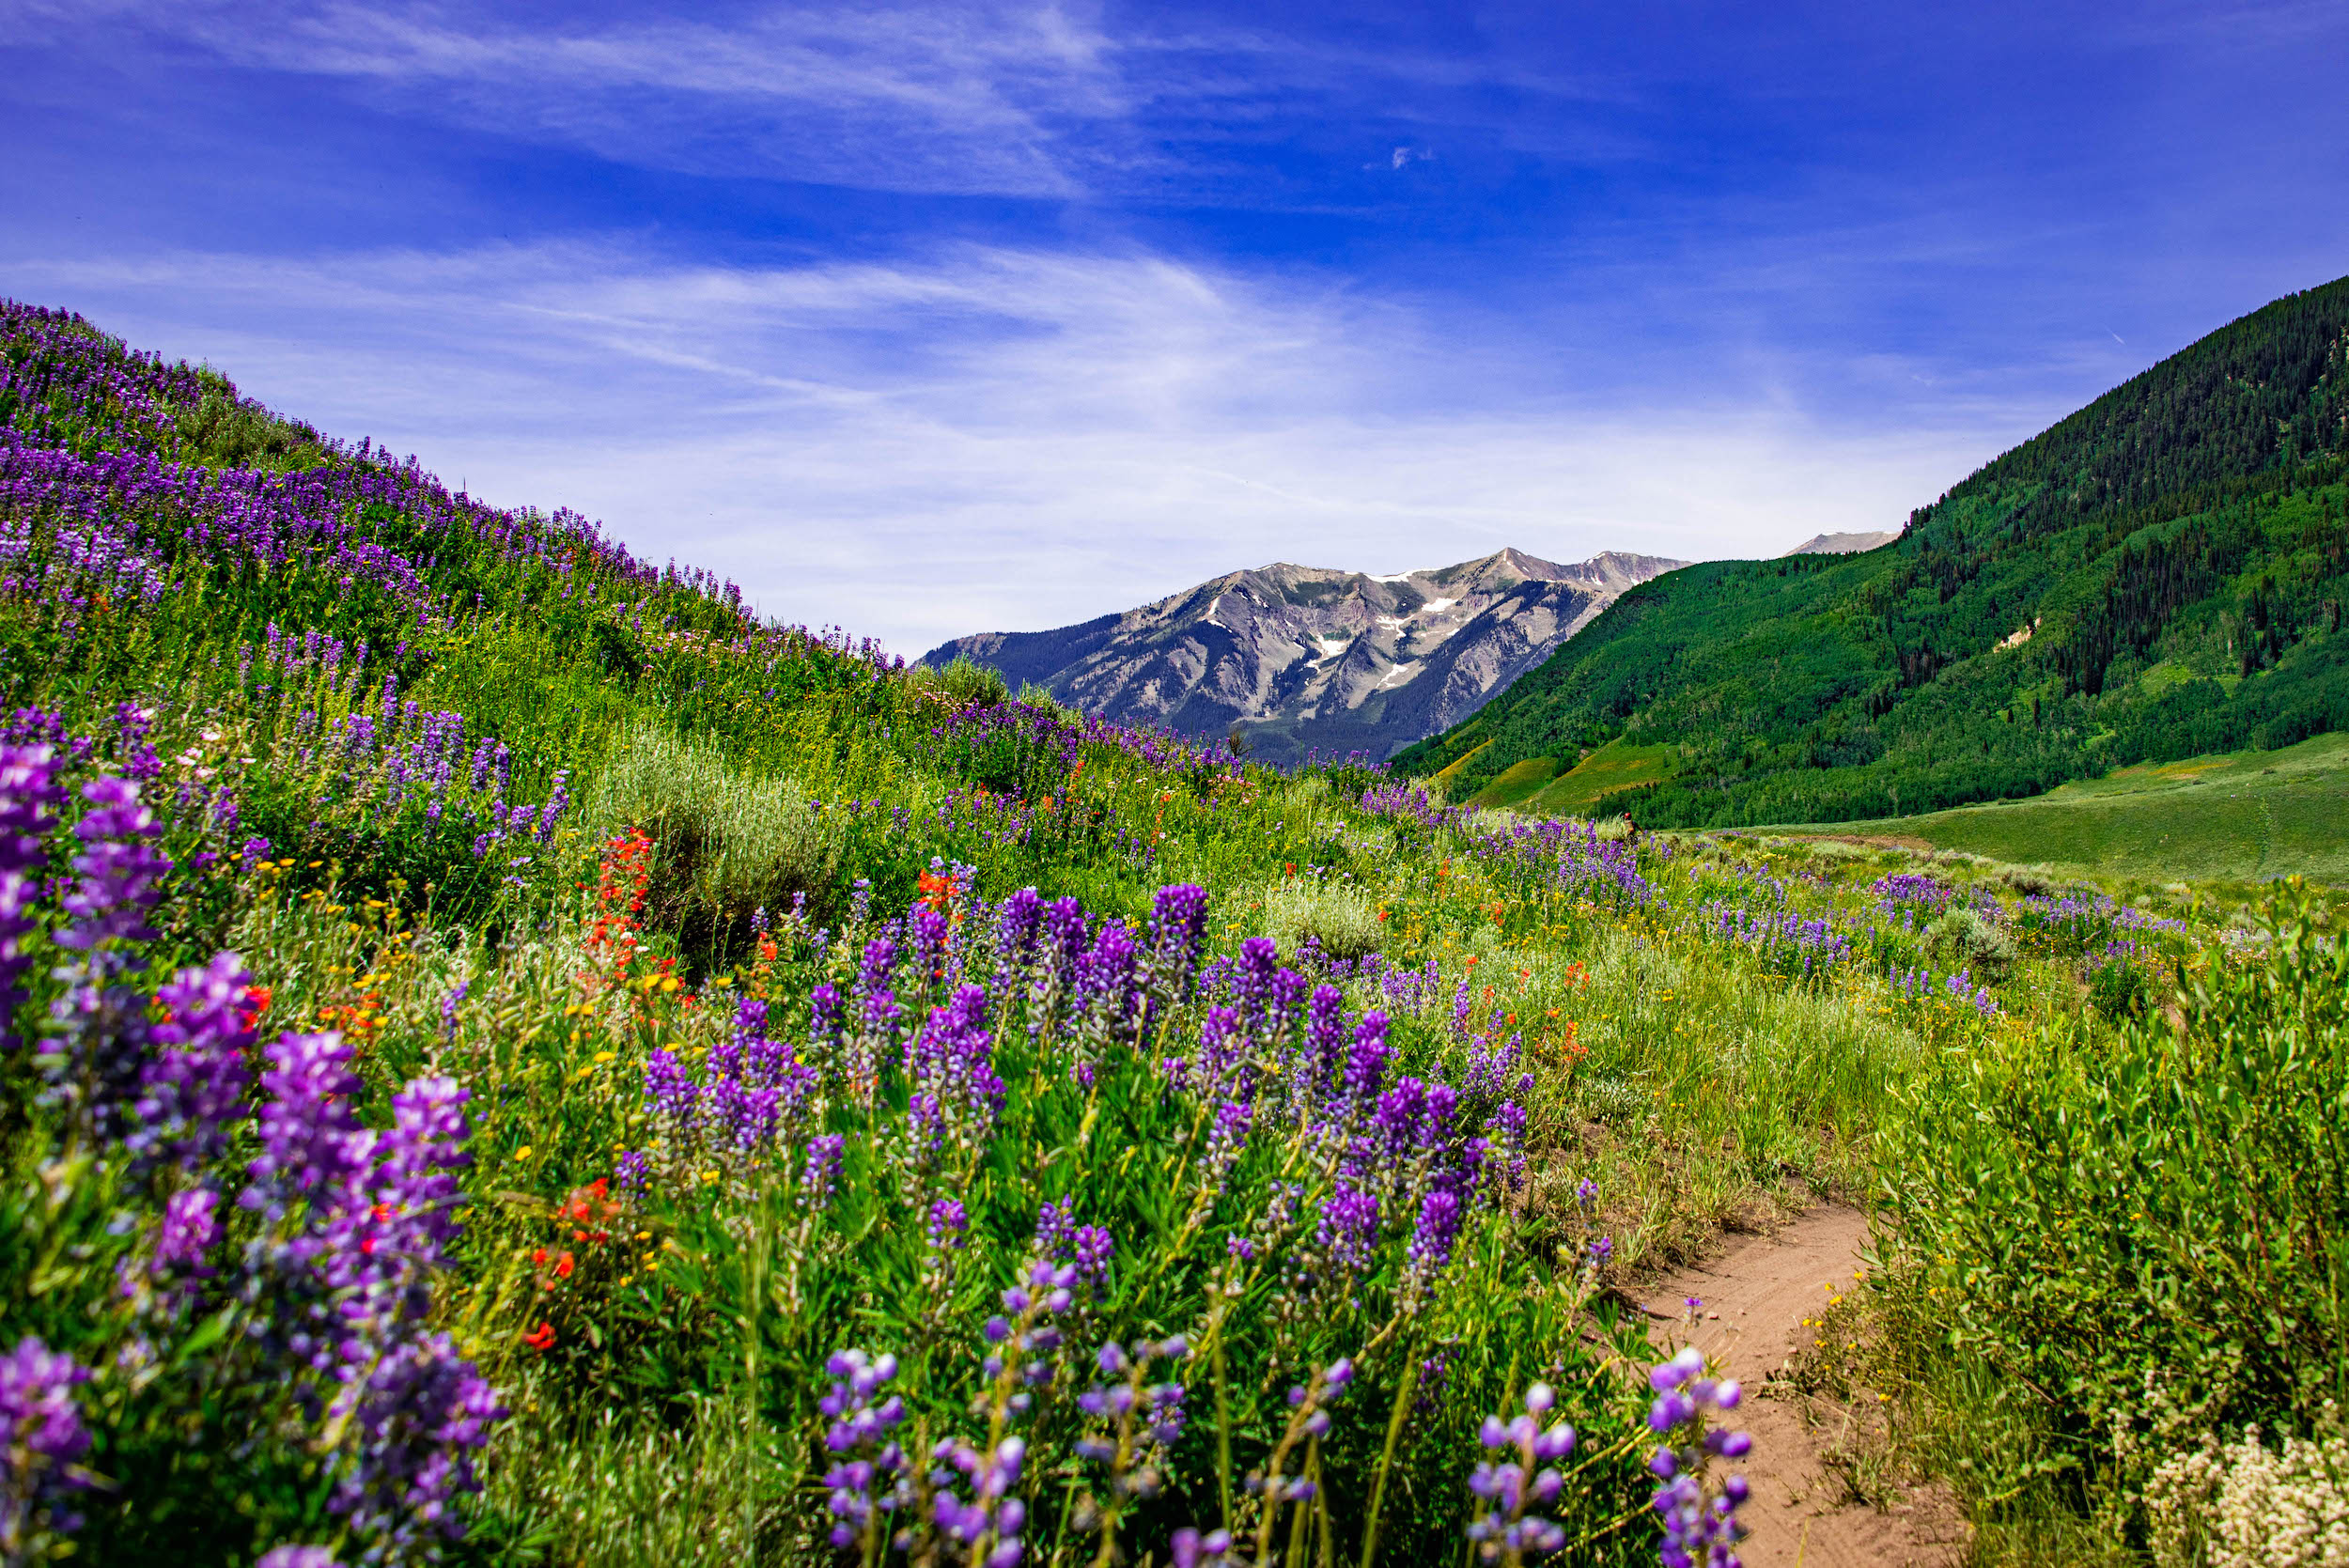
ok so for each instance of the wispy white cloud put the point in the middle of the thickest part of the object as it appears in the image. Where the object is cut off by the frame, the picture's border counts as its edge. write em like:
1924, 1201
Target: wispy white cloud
999, 439
1040, 99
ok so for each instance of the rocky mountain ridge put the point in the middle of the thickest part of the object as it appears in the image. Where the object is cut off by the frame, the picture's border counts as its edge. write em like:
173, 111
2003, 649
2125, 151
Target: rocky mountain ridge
1298, 658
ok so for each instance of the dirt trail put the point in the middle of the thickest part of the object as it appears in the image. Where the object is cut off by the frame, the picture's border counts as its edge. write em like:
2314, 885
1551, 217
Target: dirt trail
1755, 1296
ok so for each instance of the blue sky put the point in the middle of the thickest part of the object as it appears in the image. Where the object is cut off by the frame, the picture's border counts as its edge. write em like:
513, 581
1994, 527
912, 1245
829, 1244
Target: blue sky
933, 319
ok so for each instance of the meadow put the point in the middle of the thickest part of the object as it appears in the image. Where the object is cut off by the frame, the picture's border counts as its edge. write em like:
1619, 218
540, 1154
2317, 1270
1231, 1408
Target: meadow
512, 1058
2244, 816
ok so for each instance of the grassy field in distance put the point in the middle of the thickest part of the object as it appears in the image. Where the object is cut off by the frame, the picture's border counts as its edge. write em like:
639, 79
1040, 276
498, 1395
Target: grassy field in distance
1614, 765
2248, 817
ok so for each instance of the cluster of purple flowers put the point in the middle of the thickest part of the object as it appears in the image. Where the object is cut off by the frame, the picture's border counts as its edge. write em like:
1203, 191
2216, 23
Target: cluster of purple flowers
1910, 892
41, 1442
354, 1225
98, 505
751, 1099
1787, 943
1572, 858
1699, 1506
1525, 1478
2083, 922
866, 1481
1921, 984
350, 1226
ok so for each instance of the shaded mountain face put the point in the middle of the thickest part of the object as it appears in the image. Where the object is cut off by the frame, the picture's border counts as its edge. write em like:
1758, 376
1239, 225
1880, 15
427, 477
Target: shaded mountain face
1299, 658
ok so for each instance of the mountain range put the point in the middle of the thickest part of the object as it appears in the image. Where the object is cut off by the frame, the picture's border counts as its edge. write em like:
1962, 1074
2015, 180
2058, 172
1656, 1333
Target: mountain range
2159, 575
1294, 659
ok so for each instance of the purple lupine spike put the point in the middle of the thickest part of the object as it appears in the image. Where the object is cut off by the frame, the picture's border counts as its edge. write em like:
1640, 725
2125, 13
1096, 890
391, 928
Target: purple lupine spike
306, 1125
1366, 1065
1227, 1141
1349, 1228
29, 798
1438, 1228
1178, 930
1325, 1041
188, 1231
1252, 980
41, 1441
1065, 936
1106, 976
824, 1021
820, 1175
929, 946
669, 1094
118, 873
194, 1085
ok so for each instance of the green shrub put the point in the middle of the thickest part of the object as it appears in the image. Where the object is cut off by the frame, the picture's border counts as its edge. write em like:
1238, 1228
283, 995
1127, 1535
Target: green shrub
1342, 917
1961, 936
729, 843
2117, 1246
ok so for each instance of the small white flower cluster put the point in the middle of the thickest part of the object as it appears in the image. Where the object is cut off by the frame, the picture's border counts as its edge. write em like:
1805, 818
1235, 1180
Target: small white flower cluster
2244, 1505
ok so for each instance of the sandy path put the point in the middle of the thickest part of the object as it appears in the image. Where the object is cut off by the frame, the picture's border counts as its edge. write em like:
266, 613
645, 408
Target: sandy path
1755, 1296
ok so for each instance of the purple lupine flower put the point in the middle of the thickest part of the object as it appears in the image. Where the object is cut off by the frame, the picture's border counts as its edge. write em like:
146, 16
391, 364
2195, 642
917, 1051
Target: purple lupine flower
194, 1085
298, 1557
1432, 1242
1366, 1065
821, 1173
41, 1440
1699, 1510
1506, 1128
357, 1224
1178, 929
420, 1413
306, 1128
188, 1231
1324, 1057
1092, 1247
824, 1022
558, 798
1349, 1229
29, 798
1190, 1549
1105, 976
860, 1433
949, 1225
448, 1008
1227, 1141
669, 1094
101, 1028
929, 931
1055, 1227
632, 1172
1509, 1488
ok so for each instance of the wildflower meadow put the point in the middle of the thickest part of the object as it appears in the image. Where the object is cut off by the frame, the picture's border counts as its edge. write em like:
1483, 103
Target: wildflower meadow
510, 1058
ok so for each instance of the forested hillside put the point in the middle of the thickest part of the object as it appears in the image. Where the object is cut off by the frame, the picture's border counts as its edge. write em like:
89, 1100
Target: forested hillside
2157, 576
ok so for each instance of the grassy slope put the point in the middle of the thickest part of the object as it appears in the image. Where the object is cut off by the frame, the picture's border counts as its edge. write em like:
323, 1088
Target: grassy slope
1615, 766
2184, 531
2242, 817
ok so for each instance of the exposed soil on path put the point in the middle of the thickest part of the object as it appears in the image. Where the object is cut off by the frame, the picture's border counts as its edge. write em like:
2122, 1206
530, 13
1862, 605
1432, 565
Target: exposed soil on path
1756, 1295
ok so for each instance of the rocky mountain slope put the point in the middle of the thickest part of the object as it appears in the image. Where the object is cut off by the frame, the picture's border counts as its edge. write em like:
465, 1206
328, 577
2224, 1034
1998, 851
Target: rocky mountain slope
1298, 659
1844, 544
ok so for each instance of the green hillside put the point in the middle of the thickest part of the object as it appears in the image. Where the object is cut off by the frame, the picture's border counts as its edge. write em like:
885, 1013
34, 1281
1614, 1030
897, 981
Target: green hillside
2159, 576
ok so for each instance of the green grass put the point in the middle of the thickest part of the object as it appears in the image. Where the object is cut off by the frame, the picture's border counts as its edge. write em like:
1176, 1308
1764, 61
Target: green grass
2246, 817
1519, 783
1617, 764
